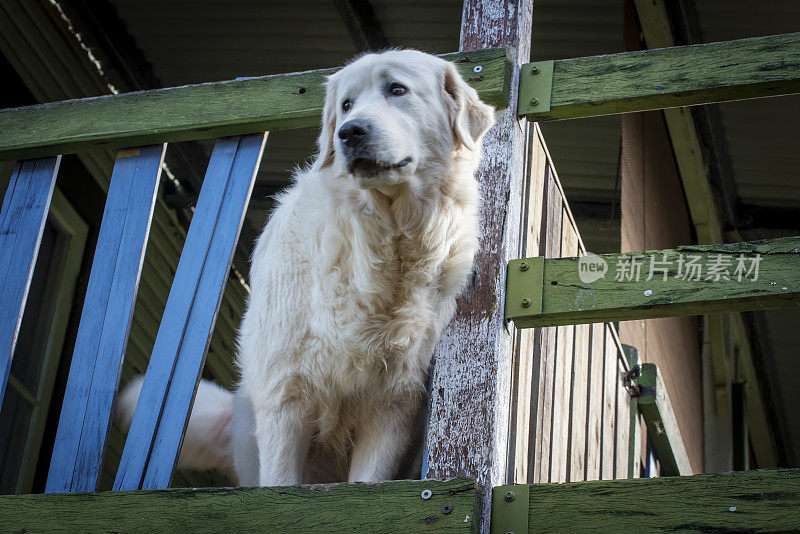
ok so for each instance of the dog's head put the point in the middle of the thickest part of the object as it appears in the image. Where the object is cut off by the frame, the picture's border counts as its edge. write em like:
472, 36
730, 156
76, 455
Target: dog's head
388, 115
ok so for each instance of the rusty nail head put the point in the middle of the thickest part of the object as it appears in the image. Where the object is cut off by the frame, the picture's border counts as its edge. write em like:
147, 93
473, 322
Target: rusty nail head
535, 69
426, 494
446, 509
526, 303
477, 68
534, 101
510, 494
523, 266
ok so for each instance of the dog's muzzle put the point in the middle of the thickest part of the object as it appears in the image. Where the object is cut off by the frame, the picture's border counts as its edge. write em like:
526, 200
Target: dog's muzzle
357, 137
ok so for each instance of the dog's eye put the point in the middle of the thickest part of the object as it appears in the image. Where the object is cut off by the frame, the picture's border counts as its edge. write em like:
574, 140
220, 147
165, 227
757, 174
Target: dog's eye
346, 105
396, 89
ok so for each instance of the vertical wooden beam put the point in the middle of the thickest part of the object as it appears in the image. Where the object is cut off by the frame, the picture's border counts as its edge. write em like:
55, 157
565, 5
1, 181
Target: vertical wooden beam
707, 216
468, 433
594, 438
562, 393
579, 410
610, 384
550, 247
526, 392
105, 322
25, 207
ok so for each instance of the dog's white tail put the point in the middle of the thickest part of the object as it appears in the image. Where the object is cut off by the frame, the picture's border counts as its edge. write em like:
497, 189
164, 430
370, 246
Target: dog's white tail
207, 443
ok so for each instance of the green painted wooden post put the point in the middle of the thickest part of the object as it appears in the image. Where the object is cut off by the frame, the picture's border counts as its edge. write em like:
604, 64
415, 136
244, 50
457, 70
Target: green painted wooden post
235, 107
754, 501
401, 506
689, 280
661, 78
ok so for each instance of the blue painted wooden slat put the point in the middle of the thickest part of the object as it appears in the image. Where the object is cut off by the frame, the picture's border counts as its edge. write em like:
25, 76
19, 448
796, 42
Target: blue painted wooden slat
25, 207
159, 421
105, 322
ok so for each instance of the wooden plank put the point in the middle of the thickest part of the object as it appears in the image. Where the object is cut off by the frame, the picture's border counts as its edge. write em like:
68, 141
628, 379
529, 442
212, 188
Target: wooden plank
468, 425
24, 212
551, 227
562, 391
670, 77
594, 432
689, 280
525, 412
384, 507
662, 425
623, 417
758, 426
754, 501
634, 430
105, 321
609, 412
580, 398
200, 111
159, 420
722, 365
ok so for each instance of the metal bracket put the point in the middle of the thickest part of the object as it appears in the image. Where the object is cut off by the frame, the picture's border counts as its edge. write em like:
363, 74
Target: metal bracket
510, 505
629, 381
524, 286
535, 87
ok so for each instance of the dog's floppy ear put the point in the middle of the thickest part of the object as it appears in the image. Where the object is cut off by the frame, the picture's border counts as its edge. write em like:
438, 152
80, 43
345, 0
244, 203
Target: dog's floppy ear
469, 117
327, 149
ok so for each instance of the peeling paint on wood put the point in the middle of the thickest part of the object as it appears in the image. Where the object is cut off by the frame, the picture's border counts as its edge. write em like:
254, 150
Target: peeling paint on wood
469, 411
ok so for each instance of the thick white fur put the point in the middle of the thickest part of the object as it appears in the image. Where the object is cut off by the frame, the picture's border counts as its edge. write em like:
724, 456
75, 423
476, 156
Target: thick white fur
353, 279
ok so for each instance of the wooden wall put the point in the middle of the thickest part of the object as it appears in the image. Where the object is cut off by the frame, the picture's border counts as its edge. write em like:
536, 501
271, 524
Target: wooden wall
654, 216
570, 411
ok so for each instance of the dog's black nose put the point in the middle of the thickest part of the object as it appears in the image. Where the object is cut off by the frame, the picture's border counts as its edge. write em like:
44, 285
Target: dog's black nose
354, 132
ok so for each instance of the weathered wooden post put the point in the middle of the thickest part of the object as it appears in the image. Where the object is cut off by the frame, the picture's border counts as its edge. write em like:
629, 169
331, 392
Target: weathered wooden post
469, 415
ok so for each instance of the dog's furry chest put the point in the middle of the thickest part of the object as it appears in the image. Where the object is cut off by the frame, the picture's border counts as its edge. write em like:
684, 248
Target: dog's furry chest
382, 311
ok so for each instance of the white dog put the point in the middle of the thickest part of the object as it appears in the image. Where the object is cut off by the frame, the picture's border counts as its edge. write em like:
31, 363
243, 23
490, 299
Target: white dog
353, 279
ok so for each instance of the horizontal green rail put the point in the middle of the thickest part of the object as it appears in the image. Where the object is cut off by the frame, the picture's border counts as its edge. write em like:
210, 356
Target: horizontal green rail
754, 501
402, 506
206, 110
662, 78
689, 280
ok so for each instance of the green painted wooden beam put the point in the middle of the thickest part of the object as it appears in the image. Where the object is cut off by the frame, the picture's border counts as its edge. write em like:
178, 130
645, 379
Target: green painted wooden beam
689, 280
662, 78
370, 508
206, 110
750, 501
662, 425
